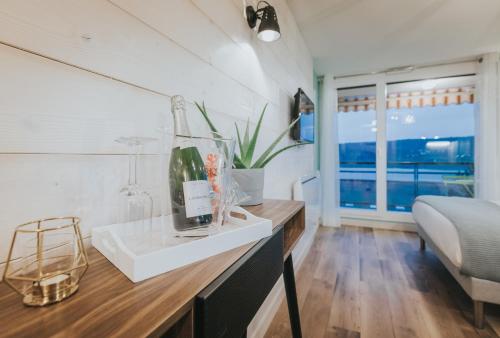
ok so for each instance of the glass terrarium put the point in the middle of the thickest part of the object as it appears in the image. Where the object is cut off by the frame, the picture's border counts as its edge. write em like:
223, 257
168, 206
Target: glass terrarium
46, 260
198, 174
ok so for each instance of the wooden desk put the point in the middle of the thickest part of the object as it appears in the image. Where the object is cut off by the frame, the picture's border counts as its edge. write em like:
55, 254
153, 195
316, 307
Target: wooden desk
109, 305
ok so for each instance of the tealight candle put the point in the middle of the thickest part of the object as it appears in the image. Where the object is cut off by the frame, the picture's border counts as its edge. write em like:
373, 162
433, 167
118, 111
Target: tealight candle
59, 279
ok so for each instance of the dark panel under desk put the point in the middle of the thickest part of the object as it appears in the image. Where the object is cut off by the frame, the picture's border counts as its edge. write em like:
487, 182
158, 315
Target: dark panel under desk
229, 303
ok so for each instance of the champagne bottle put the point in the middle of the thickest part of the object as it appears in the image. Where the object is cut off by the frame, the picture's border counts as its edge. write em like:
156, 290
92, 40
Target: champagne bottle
189, 186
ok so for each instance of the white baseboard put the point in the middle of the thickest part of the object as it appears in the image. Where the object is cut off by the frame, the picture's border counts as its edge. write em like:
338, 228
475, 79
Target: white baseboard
378, 224
267, 311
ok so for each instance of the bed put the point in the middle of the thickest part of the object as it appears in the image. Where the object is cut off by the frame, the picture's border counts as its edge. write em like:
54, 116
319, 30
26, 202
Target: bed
438, 224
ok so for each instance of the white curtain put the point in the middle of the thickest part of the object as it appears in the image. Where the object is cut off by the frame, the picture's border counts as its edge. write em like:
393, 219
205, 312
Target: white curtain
330, 215
488, 129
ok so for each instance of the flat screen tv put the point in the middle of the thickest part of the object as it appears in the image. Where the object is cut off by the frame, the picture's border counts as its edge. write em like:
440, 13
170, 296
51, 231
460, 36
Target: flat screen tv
304, 129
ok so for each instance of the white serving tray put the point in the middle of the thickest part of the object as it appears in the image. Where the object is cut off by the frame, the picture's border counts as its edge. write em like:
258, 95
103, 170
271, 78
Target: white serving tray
150, 252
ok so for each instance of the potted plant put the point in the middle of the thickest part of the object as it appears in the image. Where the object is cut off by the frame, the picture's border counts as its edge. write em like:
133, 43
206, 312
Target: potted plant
249, 174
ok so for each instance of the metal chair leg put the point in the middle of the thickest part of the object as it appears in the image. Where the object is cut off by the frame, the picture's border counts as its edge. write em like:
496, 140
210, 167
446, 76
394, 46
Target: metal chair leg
422, 244
291, 297
478, 314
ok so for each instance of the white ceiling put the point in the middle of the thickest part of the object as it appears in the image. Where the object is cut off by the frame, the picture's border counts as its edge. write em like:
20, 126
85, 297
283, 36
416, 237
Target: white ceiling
355, 36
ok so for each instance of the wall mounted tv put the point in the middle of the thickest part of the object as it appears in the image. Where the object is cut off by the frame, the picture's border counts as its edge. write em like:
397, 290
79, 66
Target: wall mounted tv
304, 129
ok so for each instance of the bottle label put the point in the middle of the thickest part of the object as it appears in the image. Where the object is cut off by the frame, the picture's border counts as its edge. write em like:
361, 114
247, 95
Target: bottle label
197, 198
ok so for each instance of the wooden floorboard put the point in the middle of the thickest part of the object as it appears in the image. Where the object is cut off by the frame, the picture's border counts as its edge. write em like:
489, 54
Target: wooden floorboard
362, 282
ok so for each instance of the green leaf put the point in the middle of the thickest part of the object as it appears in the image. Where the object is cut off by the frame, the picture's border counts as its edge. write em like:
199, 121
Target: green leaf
215, 132
265, 154
242, 148
239, 139
277, 152
237, 163
253, 141
246, 137
203, 111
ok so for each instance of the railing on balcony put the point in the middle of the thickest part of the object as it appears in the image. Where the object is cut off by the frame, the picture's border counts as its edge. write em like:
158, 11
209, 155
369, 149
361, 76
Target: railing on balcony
405, 181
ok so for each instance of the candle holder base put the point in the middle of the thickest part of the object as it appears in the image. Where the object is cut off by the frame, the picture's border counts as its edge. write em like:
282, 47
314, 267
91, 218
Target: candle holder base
55, 296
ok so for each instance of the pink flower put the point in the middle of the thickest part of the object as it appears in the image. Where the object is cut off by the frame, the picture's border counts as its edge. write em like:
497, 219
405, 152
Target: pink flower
211, 168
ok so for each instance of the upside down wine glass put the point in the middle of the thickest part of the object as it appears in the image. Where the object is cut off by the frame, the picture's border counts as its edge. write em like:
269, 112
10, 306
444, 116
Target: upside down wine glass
136, 204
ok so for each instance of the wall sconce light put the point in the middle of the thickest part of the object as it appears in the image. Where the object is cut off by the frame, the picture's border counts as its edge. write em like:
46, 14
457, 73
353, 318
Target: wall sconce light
269, 29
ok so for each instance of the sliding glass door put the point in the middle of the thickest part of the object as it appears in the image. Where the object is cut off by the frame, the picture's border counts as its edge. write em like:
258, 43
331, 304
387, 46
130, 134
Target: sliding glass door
357, 127
430, 140
401, 139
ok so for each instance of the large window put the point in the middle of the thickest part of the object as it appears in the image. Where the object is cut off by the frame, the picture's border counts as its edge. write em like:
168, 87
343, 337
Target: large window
419, 140
357, 127
430, 140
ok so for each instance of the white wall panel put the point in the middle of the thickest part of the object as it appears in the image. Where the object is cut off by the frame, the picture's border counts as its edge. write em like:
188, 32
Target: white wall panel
207, 40
276, 58
41, 185
101, 37
49, 107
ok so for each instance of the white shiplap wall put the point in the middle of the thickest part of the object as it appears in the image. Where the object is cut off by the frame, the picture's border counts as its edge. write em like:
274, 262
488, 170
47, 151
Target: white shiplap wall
75, 75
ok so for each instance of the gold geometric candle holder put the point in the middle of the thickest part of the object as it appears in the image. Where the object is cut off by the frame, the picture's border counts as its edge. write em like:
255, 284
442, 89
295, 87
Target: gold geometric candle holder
46, 260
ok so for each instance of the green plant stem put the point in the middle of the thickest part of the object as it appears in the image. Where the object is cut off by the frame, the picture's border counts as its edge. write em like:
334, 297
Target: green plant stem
277, 152
267, 152
251, 146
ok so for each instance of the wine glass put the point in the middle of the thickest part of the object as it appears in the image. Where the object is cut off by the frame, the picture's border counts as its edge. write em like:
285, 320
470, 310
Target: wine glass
136, 204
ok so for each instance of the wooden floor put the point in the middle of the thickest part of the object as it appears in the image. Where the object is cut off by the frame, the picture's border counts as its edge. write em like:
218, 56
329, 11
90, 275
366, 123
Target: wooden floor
359, 282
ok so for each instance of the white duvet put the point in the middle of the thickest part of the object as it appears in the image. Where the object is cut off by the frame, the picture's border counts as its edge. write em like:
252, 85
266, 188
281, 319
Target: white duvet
440, 230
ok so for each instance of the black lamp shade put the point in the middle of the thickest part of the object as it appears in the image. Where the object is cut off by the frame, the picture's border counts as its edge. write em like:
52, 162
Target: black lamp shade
269, 29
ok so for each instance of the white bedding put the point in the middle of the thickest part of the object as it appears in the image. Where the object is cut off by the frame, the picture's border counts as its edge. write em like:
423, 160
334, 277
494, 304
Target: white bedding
440, 230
